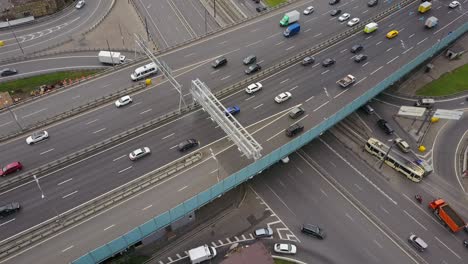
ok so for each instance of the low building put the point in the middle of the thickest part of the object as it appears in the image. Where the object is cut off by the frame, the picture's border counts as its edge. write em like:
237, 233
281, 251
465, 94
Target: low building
454, 52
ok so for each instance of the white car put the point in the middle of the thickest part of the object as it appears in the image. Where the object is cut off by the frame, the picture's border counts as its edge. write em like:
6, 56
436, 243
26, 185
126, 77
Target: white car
254, 87
309, 10
124, 100
454, 4
139, 153
353, 21
282, 97
344, 17
37, 137
285, 248
80, 4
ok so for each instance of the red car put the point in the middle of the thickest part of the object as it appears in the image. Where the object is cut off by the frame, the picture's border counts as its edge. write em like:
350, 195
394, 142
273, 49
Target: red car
10, 168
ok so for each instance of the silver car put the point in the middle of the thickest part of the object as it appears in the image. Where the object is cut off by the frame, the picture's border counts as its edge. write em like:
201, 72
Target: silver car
263, 232
37, 137
139, 153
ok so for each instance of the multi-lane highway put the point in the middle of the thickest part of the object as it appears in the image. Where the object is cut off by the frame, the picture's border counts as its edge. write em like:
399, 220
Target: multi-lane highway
261, 36
87, 179
85, 129
57, 29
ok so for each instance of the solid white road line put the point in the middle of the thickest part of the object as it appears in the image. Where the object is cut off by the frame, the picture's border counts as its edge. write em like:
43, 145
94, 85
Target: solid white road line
125, 169
70, 194
447, 247
317, 35
213, 72
251, 44
310, 98
119, 157
65, 181
4, 124
46, 151
293, 88
173, 147
412, 218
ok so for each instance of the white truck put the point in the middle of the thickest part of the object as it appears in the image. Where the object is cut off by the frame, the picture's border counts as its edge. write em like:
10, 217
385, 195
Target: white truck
111, 57
346, 81
431, 22
289, 18
201, 254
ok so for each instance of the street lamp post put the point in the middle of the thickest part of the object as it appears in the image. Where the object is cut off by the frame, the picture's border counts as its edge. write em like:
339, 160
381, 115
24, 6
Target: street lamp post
12, 31
13, 115
217, 163
214, 8
43, 196
386, 154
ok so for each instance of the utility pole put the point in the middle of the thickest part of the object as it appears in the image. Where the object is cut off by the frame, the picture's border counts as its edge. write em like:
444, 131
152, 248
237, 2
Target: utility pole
386, 154
12, 31
13, 115
110, 52
43, 196
214, 8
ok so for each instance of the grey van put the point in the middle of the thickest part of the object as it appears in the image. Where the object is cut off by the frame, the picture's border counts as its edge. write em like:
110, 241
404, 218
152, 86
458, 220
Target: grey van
368, 109
296, 112
417, 242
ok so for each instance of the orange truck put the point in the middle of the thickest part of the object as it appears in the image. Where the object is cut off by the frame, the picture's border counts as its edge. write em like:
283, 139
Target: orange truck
447, 215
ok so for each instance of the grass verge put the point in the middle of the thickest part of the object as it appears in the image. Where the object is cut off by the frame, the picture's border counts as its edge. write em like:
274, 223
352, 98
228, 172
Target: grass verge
28, 84
449, 83
272, 3
280, 261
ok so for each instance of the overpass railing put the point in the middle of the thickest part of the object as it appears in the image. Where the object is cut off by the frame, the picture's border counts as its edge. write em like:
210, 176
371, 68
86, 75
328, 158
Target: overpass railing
139, 233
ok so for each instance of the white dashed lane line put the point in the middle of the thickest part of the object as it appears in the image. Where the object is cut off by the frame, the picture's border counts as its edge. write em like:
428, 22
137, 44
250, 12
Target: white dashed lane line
146, 111
119, 157
257, 106
90, 122
109, 227
379, 68
390, 61
47, 151
125, 169
65, 181
421, 41
70, 194
68, 248
283, 81
292, 47
170, 135
100, 130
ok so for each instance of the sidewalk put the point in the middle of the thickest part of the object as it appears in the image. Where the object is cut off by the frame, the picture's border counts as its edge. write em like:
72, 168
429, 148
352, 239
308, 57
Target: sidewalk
117, 31
441, 65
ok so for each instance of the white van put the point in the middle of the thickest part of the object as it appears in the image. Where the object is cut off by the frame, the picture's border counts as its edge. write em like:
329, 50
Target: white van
142, 72
426, 102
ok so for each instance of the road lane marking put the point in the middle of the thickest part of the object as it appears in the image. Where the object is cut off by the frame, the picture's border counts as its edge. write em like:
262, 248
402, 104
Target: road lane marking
255, 29
315, 65
369, 37
343, 50
383, 209
260, 62
365, 64
410, 36
190, 54
350, 218
46, 151
119, 157
323, 192
109, 227
65, 181
293, 88
404, 52
390, 61
307, 21
76, 97
283, 81
146, 111
213, 171
414, 219
321, 106
344, 91
376, 70
251, 44
125, 169
325, 72
68, 248
70, 194
421, 41
90, 122
447, 247
292, 47
11, 220
317, 35
250, 97
389, 49
279, 43
391, 25
213, 72
4, 124
378, 43
310, 98
307, 30
100, 130
33, 113
360, 81
134, 104
258, 106
224, 78
357, 186
170, 135
365, 11
183, 188
147, 207
377, 243
273, 35
221, 43
173, 147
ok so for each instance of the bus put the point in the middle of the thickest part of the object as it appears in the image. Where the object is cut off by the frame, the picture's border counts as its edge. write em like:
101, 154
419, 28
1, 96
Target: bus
408, 168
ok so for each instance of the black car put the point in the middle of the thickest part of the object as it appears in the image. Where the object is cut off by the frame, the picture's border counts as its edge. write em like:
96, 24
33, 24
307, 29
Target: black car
249, 59
335, 12
308, 60
313, 230
296, 112
253, 69
260, 9
372, 3
8, 209
219, 62
333, 2
385, 126
187, 144
293, 130
9, 72
360, 57
356, 48
328, 62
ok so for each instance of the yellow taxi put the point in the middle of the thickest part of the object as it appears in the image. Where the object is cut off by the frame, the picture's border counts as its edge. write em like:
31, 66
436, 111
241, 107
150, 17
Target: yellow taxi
392, 34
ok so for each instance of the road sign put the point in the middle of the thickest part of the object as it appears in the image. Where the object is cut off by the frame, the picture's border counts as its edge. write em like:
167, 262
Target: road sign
448, 114
411, 111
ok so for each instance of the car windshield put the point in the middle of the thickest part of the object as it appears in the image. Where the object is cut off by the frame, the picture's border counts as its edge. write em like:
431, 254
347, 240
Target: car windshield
261, 231
138, 152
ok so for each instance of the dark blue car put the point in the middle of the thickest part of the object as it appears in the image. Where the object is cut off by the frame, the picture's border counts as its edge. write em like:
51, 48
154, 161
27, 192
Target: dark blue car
232, 110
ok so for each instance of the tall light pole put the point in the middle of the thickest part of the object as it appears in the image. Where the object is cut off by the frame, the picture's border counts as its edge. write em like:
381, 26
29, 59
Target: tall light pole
12, 31
217, 163
388, 152
13, 115
43, 196
214, 8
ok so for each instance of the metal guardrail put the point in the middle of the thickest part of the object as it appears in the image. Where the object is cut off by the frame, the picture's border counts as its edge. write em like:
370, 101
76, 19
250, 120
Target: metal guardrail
90, 208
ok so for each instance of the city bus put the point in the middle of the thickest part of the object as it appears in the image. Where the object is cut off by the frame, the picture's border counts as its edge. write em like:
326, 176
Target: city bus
408, 168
